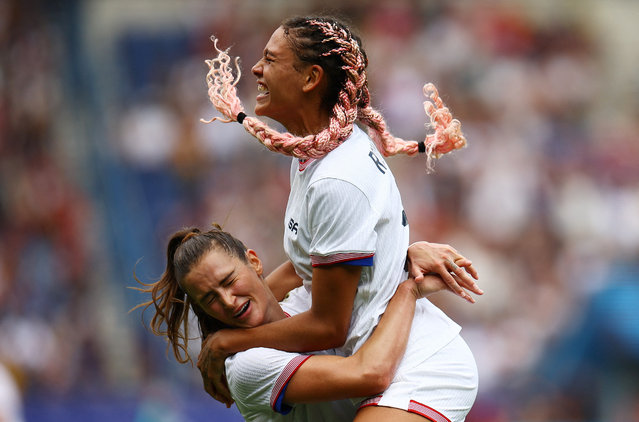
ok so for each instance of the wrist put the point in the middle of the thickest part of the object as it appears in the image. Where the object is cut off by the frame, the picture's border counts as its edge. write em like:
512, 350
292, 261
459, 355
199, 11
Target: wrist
221, 343
419, 245
411, 288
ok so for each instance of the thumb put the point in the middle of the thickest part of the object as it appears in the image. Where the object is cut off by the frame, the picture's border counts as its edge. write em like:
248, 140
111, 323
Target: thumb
415, 272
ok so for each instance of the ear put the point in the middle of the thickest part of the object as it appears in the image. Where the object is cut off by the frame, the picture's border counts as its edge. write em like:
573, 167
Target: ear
314, 74
254, 261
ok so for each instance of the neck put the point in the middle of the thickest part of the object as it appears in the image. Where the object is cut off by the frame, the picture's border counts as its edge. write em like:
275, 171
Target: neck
276, 314
274, 311
309, 119
306, 125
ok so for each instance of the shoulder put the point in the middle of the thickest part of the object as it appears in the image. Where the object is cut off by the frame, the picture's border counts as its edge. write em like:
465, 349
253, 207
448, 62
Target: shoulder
258, 377
356, 161
297, 301
252, 360
257, 371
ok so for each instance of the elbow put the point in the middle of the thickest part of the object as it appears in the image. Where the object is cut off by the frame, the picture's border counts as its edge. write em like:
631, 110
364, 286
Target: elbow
327, 330
376, 378
330, 334
335, 337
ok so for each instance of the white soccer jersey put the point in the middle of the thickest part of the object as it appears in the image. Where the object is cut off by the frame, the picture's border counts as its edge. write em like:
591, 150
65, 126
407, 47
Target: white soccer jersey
258, 379
346, 207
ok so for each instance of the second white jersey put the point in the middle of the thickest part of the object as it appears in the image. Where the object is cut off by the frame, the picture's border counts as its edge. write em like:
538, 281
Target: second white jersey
258, 379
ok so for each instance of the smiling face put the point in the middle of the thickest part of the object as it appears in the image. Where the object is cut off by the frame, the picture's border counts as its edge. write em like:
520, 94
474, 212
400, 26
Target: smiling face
279, 80
232, 291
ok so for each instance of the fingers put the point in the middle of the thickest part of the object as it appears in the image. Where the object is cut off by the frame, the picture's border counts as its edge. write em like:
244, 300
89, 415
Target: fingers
208, 387
226, 392
218, 389
222, 393
465, 274
222, 398
457, 272
468, 266
444, 271
225, 399
458, 280
213, 376
454, 286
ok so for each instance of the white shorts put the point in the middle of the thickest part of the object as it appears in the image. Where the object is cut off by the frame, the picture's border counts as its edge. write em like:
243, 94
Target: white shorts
442, 388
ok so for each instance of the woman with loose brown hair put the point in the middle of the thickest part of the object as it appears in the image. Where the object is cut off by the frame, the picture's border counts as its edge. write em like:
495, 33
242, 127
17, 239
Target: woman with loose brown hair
214, 275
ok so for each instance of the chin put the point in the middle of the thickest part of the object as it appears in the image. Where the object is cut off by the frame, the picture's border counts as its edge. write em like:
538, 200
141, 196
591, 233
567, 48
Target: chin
259, 110
257, 320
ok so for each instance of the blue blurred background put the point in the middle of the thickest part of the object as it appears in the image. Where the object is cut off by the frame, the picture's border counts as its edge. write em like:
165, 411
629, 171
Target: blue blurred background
102, 156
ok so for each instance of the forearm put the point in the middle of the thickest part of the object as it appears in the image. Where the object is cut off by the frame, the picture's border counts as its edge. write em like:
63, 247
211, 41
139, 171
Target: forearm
282, 280
377, 359
324, 326
303, 332
367, 372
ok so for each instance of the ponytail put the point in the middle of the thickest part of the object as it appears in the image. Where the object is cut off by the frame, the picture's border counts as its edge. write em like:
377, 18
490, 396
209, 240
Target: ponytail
171, 303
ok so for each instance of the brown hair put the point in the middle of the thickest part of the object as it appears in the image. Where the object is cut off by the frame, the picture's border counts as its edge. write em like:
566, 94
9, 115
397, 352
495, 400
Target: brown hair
169, 300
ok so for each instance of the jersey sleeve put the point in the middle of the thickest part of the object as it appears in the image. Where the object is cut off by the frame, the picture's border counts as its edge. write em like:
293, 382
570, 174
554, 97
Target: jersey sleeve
342, 224
258, 379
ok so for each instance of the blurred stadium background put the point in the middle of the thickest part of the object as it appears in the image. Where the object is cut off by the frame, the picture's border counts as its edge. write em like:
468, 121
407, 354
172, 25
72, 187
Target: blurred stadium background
102, 156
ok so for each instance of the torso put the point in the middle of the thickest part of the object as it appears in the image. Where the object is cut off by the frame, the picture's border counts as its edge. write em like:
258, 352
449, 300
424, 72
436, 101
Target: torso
347, 206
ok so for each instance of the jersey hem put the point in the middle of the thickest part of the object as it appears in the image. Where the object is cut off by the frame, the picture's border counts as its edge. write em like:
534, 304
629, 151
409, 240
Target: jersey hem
366, 258
277, 395
413, 407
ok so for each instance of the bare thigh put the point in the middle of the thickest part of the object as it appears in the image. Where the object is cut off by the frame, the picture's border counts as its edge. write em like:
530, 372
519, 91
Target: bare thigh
382, 413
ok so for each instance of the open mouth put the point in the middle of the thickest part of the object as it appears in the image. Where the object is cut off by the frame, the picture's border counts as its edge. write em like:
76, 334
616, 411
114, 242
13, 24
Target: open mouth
262, 90
242, 310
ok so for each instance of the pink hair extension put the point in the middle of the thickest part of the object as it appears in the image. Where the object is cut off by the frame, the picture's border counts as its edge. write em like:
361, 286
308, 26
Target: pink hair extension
221, 83
448, 135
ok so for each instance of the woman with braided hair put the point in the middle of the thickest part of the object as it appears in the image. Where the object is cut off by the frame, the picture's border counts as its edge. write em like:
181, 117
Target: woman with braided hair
346, 232
345, 98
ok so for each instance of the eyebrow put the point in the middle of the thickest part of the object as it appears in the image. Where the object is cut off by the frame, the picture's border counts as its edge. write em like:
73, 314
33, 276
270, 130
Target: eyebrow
211, 292
268, 52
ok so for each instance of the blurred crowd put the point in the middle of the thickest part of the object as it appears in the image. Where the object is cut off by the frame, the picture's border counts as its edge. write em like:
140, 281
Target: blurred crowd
103, 155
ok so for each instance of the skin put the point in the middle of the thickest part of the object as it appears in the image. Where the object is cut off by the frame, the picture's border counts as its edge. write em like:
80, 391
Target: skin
291, 92
231, 291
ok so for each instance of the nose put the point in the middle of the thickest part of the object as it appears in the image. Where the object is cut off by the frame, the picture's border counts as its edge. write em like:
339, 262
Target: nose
257, 68
227, 299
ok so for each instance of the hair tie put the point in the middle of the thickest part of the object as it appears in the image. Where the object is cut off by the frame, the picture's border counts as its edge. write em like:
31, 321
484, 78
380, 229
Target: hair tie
421, 147
189, 235
240, 117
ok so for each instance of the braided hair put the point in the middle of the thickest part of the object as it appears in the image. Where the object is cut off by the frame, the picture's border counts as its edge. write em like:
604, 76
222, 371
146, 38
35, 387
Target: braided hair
331, 44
